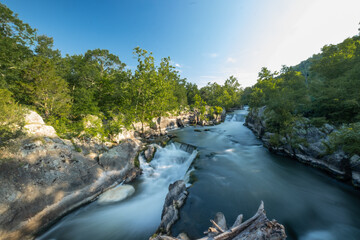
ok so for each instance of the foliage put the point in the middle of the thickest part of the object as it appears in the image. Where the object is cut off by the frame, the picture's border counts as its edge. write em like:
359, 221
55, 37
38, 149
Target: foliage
44, 89
68, 91
348, 138
11, 116
323, 88
226, 96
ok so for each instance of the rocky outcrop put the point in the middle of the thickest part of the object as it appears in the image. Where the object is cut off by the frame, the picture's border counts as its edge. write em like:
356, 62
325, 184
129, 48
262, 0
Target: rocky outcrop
149, 152
256, 227
308, 144
35, 126
174, 200
160, 126
43, 177
118, 156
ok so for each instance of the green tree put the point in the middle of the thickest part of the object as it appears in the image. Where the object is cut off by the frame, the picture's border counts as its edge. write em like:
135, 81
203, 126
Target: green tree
45, 48
44, 89
16, 39
11, 116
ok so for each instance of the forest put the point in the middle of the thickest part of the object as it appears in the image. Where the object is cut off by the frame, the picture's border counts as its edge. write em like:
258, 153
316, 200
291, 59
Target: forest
68, 90
324, 88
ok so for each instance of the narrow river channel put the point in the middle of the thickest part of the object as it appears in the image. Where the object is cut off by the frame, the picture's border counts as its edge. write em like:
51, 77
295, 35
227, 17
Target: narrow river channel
232, 174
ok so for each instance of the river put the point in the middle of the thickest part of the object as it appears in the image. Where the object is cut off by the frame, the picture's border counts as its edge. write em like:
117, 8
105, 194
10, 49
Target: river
232, 174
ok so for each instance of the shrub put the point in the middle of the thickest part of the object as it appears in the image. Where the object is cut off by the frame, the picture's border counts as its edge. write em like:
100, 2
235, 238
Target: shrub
318, 121
11, 116
347, 138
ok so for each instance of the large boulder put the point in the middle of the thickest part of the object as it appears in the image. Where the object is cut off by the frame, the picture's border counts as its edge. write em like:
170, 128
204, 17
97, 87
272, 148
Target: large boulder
43, 178
35, 126
118, 157
116, 194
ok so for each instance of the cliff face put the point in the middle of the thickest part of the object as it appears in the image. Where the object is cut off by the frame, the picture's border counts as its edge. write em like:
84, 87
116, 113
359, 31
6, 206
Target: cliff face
43, 177
311, 147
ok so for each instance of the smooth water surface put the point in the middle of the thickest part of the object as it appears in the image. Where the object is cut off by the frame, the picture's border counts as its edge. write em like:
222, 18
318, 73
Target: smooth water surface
235, 172
232, 174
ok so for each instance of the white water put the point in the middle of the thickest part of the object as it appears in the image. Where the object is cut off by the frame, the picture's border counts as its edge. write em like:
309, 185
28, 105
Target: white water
136, 217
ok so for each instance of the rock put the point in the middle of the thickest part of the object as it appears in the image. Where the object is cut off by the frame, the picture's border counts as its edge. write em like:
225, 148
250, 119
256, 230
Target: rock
123, 135
355, 177
355, 160
150, 152
187, 147
256, 121
197, 130
311, 147
35, 126
180, 123
40, 130
117, 194
33, 117
174, 200
117, 157
46, 178
328, 128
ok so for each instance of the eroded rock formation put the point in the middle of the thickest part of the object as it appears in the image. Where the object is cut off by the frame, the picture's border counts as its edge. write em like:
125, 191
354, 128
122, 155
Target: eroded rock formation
43, 177
310, 148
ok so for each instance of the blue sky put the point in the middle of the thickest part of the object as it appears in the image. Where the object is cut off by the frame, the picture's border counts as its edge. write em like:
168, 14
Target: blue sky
208, 40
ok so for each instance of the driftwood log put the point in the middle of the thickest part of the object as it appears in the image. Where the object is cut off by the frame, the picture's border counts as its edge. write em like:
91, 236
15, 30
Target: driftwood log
256, 227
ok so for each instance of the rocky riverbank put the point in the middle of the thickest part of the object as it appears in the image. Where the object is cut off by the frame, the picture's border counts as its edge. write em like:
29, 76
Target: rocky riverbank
311, 146
44, 177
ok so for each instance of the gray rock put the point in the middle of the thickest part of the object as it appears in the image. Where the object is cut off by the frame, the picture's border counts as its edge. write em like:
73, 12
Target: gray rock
355, 160
328, 128
44, 181
149, 152
174, 200
118, 157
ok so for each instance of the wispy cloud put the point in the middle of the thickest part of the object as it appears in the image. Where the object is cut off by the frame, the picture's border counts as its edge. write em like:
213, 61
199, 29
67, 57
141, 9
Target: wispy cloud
213, 55
231, 60
178, 65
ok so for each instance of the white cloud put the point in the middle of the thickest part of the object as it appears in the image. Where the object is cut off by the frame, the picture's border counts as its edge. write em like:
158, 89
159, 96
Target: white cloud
178, 65
231, 60
213, 55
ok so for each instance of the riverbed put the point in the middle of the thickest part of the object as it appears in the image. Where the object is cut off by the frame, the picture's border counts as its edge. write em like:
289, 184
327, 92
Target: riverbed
232, 173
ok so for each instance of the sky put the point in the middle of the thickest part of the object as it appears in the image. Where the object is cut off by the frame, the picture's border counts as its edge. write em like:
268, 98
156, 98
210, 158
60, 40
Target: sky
207, 40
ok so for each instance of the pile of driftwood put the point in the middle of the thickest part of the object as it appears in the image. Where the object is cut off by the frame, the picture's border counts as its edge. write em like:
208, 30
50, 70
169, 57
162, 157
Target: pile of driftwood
256, 227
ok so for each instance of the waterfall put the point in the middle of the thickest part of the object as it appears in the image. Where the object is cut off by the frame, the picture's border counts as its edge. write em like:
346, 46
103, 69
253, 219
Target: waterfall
138, 216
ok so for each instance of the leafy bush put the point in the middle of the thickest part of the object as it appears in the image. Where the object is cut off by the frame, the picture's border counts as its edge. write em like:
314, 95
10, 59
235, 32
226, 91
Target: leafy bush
318, 121
11, 116
348, 138
93, 126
